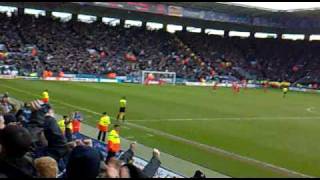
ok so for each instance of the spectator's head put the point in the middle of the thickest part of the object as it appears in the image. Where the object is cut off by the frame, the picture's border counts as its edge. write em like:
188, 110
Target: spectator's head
131, 171
199, 174
84, 162
5, 98
27, 105
46, 167
116, 127
133, 146
15, 141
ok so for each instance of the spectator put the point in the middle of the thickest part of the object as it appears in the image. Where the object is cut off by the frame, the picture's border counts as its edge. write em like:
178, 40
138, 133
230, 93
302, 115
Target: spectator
113, 145
199, 174
15, 143
68, 132
151, 168
6, 106
24, 114
46, 167
127, 157
84, 162
56, 141
131, 171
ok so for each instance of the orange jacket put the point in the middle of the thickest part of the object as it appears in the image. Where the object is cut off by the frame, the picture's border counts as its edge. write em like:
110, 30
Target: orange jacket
76, 126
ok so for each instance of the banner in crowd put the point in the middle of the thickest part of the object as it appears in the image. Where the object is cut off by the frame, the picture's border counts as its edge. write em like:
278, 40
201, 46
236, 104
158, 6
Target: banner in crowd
7, 77
304, 90
139, 162
135, 6
175, 11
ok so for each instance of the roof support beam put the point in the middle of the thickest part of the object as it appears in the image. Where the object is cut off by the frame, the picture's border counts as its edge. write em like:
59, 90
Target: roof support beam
20, 11
226, 33
307, 37
251, 35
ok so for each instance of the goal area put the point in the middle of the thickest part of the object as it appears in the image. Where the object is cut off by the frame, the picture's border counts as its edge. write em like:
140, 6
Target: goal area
158, 77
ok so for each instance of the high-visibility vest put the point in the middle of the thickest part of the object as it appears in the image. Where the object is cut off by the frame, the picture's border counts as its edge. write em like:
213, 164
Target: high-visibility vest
45, 95
69, 126
62, 125
113, 141
104, 123
123, 103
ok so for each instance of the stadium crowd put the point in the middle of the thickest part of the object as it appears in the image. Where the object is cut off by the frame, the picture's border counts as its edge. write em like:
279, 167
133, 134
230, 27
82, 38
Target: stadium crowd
267, 59
38, 44
44, 43
32, 145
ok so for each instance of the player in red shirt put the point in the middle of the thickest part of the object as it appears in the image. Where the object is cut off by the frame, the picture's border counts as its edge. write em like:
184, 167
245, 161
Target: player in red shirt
235, 87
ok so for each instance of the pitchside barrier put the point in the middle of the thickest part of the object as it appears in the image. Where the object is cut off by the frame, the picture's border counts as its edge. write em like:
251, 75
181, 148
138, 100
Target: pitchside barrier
137, 161
124, 79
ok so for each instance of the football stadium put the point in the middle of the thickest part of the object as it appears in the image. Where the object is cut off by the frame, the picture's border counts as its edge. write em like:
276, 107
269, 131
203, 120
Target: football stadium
159, 90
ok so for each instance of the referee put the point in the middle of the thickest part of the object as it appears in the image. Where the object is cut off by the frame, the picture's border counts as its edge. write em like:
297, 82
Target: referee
122, 111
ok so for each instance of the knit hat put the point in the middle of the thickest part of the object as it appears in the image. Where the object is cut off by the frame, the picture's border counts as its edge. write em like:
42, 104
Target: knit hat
84, 162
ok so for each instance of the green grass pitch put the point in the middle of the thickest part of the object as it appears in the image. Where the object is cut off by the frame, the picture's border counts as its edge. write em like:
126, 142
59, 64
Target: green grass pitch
284, 132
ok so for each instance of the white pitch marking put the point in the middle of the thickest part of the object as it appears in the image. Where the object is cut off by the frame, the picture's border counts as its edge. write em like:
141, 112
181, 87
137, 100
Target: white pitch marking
150, 135
226, 118
129, 137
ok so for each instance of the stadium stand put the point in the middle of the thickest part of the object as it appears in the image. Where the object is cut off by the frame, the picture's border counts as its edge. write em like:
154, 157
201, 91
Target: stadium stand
34, 45
88, 48
271, 59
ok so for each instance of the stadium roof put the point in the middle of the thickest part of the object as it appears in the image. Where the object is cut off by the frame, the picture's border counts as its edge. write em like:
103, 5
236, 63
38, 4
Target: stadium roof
244, 10
90, 8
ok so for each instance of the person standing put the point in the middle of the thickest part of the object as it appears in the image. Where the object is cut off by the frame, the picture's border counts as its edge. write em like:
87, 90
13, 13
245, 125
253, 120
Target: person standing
61, 124
76, 123
45, 96
103, 125
113, 144
122, 111
68, 131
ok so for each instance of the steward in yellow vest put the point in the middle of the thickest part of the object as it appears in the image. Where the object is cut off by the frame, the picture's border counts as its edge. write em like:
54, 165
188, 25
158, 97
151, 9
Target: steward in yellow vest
113, 145
103, 125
